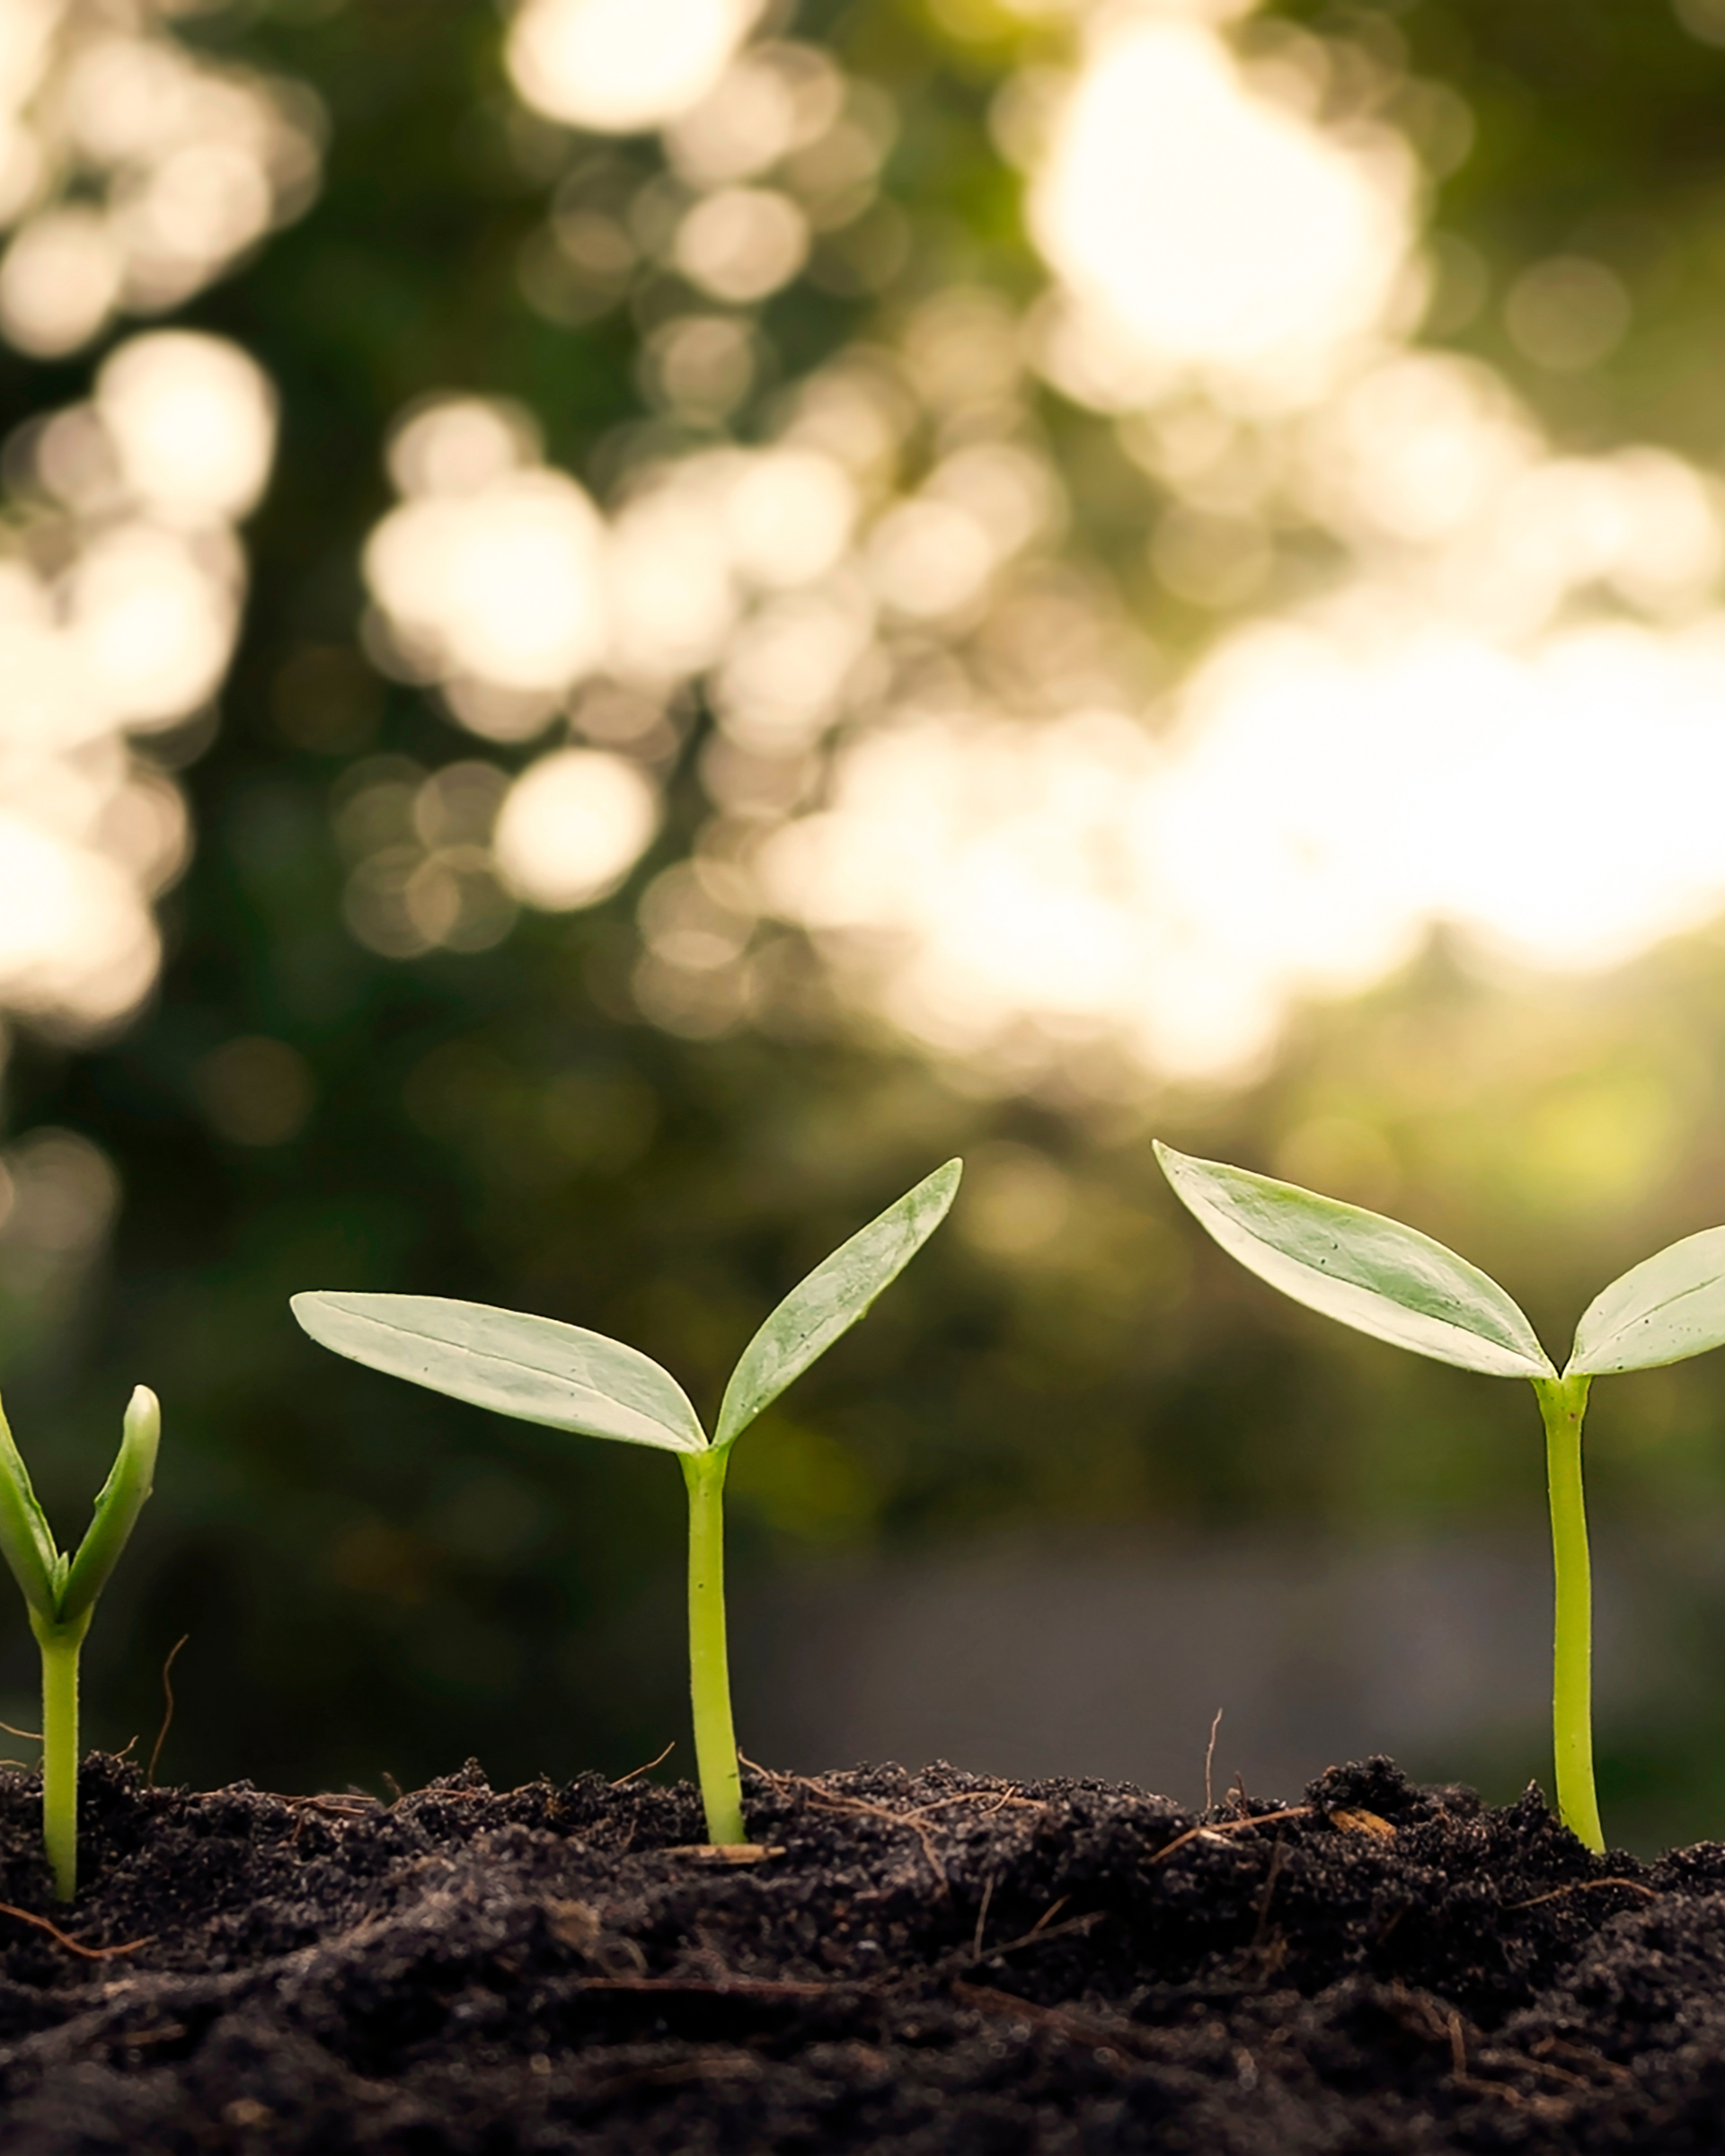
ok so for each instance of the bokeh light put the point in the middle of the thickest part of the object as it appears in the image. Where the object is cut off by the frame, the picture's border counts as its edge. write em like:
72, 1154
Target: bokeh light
872, 596
133, 170
501, 586
935, 754
1211, 226
743, 243
192, 421
119, 607
572, 827
622, 65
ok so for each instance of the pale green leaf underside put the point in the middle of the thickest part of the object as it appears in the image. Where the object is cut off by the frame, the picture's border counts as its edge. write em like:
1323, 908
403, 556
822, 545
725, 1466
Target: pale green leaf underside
535, 1369
1668, 1307
831, 1300
1359, 1268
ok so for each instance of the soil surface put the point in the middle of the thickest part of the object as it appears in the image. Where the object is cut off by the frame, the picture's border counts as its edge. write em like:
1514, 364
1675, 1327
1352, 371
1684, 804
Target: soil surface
929, 1962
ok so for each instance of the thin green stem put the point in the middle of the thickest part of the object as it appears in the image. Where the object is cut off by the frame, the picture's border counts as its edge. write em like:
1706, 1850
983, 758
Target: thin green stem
1562, 1403
60, 1645
715, 1739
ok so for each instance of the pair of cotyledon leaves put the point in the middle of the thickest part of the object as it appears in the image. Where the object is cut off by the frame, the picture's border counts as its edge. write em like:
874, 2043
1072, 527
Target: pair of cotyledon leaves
1398, 1285
541, 1369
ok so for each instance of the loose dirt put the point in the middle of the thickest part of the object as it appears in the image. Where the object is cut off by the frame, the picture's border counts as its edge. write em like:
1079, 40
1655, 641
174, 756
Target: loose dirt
932, 1962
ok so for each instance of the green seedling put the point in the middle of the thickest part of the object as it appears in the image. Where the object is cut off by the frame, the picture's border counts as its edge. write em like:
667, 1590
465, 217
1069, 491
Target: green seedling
539, 1370
60, 1593
1398, 1285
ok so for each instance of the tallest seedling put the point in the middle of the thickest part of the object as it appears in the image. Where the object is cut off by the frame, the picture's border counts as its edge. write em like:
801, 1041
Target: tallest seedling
541, 1371
1401, 1286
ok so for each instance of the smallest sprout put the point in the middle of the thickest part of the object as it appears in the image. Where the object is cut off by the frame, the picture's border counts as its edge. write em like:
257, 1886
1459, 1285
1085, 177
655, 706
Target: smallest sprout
61, 1593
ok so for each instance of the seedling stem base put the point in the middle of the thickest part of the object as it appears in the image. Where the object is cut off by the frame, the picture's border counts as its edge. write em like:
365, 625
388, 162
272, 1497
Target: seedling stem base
715, 1738
60, 1646
1563, 1403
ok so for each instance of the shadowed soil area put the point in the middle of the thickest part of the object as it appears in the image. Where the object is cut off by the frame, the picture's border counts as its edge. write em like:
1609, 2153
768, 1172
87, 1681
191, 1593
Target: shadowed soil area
935, 1962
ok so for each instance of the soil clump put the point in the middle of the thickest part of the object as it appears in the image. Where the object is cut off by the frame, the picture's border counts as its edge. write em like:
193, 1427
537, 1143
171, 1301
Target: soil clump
926, 1963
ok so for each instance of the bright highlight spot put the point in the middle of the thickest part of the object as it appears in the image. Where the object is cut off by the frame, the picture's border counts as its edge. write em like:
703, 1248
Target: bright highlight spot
1217, 233
789, 515
193, 424
742, 243
76, 940
622, 65
59, 281
491, 571
153, 626
572, 827
502, 585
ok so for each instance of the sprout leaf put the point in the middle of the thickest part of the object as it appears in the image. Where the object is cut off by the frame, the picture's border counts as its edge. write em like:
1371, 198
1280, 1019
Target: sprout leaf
535, 1369
1360, 1268
26, 1541
1669, 1306
831, 1300
118, 1502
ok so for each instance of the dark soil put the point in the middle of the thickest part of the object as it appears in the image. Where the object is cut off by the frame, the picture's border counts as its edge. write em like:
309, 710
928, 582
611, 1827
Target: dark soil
926, 1963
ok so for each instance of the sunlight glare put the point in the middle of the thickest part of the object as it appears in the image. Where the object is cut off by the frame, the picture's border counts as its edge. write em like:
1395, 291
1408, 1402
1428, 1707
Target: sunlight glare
133, 170
76, 940
1014, 828
1219, 232
1324, 800
462, 444
622, 65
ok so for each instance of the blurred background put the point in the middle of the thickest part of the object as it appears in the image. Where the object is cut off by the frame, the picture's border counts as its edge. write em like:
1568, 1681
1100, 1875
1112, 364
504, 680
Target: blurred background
626, 622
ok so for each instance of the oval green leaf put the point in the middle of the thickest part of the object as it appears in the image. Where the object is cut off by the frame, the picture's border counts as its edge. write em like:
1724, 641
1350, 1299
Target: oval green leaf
1359, 1268
535, 1369
831, 1300
1670, 1306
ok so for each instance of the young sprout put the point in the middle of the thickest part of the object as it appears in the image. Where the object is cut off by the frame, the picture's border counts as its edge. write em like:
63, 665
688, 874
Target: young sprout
60, 1593
538, 1370
1398, 1285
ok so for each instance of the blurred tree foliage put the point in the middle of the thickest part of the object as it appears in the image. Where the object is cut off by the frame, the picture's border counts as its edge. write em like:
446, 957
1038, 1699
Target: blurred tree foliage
377, 1580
